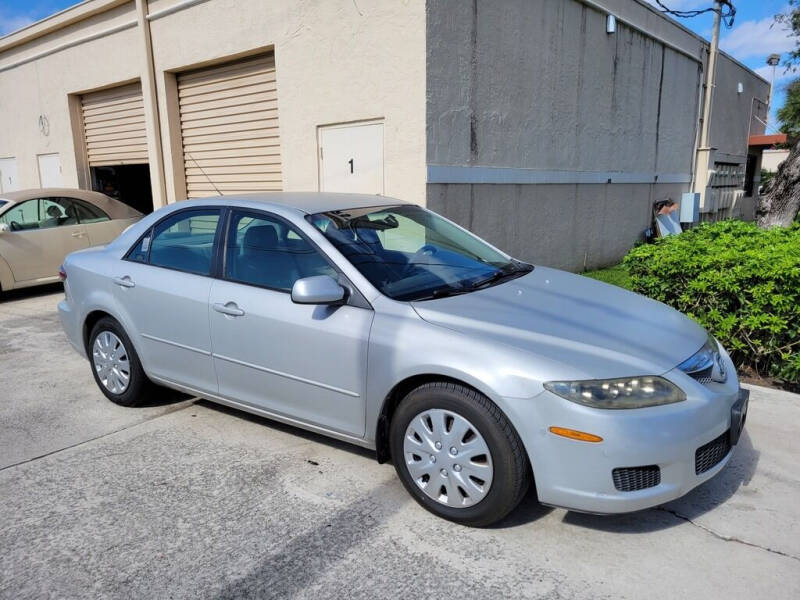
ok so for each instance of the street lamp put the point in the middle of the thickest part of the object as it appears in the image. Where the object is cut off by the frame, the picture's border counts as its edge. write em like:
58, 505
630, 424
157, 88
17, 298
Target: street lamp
772, 61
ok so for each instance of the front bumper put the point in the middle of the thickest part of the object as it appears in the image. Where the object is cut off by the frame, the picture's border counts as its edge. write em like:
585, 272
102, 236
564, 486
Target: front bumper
578, 475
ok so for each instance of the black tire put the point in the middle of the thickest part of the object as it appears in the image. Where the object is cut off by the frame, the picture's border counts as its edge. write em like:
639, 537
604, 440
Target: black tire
139, 387
512, 473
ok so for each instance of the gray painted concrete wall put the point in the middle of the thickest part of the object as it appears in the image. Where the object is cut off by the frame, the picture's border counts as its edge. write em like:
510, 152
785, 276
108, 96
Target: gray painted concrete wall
537, 90
730, 110
540, 84
569, 227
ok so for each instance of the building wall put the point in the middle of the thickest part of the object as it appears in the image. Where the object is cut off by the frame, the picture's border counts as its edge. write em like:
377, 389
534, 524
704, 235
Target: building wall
736, 116
550, 136
41, 87
770, 159
336, 61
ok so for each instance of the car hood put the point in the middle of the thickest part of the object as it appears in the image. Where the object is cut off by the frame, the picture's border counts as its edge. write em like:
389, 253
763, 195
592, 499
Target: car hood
587, 328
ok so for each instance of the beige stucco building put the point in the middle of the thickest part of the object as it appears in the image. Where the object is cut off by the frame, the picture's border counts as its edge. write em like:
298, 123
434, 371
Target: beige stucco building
772, 158
530, 121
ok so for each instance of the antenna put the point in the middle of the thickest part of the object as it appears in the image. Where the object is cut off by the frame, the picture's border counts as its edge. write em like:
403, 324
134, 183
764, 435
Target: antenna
203, 172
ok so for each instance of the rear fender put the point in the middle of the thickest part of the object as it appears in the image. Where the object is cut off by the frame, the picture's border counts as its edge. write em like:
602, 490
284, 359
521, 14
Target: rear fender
102, 299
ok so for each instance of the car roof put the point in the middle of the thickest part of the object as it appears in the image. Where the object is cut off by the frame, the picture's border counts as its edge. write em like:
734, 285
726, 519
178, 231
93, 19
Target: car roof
305, 202
22, 195
114, 208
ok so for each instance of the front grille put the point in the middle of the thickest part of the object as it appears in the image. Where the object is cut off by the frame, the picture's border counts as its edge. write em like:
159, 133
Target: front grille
709, 455
704, 376
630, 479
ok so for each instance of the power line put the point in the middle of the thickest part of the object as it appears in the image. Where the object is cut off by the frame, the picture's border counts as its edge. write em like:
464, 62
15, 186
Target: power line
727, 13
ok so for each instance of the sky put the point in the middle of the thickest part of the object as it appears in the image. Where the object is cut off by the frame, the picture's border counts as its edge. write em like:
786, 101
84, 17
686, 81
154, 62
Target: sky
752, 38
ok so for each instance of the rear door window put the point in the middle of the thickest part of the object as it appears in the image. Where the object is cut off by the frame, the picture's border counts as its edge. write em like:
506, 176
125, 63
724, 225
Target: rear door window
183, 241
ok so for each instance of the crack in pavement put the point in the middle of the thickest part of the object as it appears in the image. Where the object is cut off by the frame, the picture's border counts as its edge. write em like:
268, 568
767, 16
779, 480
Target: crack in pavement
172, 409
726, 538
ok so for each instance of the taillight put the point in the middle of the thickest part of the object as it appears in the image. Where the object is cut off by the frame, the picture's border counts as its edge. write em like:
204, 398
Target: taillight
62, 273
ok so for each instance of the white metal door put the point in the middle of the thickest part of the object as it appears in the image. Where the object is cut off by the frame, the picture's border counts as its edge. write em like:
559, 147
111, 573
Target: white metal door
50, 171
8, 175
351, 158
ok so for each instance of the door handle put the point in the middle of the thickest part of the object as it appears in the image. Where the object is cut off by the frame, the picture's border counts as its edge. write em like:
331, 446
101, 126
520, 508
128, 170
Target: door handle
78, 234
124, 281
229, 308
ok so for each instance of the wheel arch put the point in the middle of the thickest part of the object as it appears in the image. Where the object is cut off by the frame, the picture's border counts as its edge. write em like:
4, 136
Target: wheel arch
89, 322
94, 315
400, 390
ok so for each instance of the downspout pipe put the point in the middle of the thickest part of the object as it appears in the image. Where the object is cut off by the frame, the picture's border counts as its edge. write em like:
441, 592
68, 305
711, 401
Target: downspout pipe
150, 96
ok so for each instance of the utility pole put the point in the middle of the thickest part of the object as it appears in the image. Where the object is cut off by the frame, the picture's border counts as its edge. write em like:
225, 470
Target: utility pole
711, 74
704, 159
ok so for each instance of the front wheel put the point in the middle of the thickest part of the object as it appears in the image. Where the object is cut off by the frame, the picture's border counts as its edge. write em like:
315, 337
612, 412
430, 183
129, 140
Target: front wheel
457, 454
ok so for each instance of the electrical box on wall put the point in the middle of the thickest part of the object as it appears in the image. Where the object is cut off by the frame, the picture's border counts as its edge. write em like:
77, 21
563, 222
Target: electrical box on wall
690, 207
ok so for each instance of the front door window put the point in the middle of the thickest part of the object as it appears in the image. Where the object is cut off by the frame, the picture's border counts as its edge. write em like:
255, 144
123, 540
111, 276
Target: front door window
269, 253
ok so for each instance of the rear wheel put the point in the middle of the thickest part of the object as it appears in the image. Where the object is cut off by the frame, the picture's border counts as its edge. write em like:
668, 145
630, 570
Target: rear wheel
458, 455
115, 364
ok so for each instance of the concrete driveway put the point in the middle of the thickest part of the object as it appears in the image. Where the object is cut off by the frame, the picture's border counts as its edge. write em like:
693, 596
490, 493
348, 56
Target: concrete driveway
188, 500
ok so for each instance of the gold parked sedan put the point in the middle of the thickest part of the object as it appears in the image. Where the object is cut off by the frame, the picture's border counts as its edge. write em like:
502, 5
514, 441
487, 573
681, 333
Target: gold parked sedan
38, 228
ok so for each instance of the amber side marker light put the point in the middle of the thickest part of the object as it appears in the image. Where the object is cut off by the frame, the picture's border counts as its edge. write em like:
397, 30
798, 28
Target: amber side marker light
575, 435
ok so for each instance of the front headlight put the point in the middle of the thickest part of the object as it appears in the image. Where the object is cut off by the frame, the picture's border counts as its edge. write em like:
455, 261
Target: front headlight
701, 363
626, 392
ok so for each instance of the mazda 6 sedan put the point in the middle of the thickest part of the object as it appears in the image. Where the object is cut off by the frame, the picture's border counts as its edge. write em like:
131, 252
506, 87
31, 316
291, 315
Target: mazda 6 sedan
378, 322
38, 228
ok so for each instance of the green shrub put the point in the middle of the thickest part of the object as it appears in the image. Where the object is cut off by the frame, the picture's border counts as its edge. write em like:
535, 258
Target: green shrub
740, 282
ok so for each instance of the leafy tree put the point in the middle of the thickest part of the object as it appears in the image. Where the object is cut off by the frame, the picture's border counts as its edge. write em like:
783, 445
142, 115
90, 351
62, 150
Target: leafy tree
789, 113
780, 203
790, 20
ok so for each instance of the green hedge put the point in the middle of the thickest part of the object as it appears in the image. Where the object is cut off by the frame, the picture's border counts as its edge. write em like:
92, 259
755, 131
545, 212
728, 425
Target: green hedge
740, 282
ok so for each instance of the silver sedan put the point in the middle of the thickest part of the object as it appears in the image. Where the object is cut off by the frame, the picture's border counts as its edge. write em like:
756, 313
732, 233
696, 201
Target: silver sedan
383, 324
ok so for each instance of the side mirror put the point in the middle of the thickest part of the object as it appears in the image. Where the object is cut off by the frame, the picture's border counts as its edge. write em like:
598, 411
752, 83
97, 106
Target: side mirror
321, 289
4, 227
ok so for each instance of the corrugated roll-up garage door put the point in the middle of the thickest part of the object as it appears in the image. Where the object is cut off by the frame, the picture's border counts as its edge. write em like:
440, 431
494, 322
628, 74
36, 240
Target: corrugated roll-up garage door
113, 124
229, 128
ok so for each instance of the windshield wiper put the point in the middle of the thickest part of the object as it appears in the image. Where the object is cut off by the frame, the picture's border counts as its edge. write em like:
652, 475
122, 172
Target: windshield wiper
443, 292
509, 271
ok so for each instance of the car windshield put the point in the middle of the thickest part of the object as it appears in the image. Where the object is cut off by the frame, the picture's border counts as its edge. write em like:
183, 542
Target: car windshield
410, 253
3, 202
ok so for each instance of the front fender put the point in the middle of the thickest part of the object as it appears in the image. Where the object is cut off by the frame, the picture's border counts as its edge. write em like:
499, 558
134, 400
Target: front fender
404, 346
6, 276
